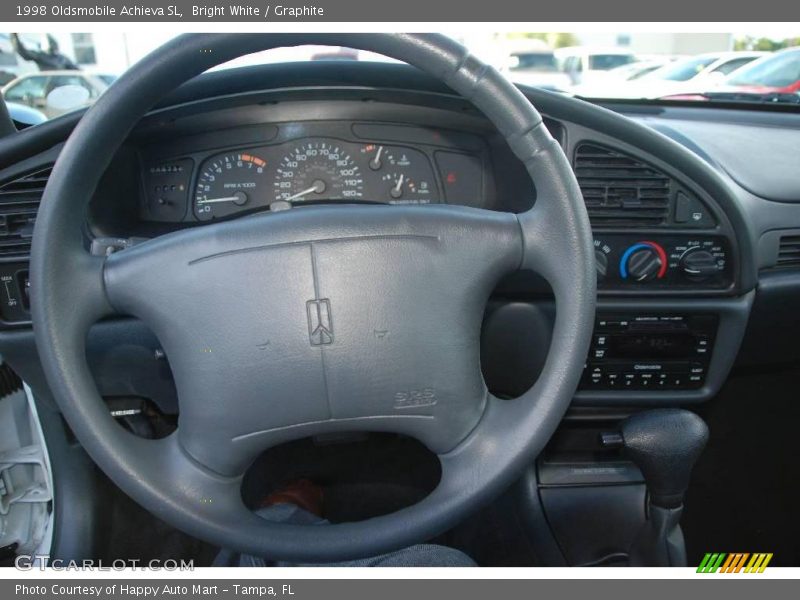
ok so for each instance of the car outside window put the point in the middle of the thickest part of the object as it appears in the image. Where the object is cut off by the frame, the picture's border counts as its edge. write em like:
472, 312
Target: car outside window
730, 66
684, 70
30, 90
539, 61
780, 71
606, 62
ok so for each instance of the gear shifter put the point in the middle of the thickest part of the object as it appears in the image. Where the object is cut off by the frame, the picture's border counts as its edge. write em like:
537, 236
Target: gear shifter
664, 444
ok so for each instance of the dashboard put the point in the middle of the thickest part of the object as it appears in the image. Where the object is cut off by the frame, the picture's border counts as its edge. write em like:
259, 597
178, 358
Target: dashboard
677, 254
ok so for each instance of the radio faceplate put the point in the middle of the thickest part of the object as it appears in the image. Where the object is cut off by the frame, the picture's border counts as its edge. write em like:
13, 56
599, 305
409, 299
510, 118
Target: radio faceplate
650, 352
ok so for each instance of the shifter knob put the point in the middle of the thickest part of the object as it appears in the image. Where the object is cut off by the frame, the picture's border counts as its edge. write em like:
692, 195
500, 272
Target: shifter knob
665, 444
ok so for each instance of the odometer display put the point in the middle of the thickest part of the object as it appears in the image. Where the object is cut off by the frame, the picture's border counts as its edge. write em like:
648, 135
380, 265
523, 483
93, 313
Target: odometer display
318, 170
228, 184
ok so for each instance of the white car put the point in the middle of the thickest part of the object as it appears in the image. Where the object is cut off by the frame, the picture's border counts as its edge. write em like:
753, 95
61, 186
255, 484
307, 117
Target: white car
34, 88
696, 73
587, 64
608, 86
538, 68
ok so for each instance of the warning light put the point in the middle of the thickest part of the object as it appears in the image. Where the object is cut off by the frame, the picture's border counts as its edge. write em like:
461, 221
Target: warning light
451, 178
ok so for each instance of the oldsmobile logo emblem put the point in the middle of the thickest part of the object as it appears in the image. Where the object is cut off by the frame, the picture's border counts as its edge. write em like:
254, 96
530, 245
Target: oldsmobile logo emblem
320, 324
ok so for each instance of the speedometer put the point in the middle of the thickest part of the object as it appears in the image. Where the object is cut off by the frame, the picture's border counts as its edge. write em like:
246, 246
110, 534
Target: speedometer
318, 170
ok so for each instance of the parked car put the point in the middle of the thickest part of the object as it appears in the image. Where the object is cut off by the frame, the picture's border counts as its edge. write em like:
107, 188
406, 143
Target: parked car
693, 74
638, 69
33, 89
538, 68
585, 64
773, 77
608, 86
107, 78
776, 73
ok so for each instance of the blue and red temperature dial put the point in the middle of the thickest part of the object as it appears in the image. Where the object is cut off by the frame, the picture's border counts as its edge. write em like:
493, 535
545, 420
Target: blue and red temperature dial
643, 261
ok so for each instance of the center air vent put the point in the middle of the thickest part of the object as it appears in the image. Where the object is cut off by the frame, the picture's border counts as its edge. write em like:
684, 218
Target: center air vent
19, 201
789, 251
621, 190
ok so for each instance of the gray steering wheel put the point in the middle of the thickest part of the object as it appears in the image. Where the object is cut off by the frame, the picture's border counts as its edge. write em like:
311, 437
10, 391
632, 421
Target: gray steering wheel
269, 322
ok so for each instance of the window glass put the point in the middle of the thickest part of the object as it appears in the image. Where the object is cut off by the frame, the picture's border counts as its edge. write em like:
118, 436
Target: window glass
730, 66
83, 48
780, 70
684, 70
30, 88
605, 62
540, 61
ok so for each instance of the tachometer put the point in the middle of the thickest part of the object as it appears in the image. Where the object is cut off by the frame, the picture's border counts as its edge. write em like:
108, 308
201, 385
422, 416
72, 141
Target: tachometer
229, 184
318, 170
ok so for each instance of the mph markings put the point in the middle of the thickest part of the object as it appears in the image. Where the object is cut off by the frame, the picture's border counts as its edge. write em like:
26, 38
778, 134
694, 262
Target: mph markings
318, 171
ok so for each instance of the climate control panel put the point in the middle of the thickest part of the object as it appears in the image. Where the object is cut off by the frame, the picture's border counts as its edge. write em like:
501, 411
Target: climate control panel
673, 262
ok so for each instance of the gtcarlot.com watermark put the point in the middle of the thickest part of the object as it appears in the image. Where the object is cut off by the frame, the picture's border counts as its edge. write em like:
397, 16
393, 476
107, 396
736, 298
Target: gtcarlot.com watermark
30, 562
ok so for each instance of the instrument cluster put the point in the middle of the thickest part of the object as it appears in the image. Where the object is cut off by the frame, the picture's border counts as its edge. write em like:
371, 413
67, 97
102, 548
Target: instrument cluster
309, 170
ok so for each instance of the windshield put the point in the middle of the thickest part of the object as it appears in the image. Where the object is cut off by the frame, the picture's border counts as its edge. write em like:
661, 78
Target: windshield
636, 66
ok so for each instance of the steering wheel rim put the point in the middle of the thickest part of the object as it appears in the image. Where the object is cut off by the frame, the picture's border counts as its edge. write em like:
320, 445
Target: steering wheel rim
181, 482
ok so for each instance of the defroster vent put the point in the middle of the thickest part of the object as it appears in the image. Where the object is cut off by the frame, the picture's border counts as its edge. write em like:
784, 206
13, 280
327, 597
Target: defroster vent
789, 251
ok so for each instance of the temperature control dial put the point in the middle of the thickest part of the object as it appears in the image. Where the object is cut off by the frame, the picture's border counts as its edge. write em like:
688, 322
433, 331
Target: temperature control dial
643, 261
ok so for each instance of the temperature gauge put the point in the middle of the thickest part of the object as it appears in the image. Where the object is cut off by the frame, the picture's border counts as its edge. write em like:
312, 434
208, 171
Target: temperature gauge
376, 155
402, 189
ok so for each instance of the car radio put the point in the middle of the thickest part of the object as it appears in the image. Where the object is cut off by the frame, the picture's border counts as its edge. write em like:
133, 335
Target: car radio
658, 352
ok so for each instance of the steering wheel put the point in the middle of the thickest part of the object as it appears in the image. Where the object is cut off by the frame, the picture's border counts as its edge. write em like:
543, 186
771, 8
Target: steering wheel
314, 320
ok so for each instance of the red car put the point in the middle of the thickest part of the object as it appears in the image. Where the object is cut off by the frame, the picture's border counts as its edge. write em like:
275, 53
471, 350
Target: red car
777, 73
774, 75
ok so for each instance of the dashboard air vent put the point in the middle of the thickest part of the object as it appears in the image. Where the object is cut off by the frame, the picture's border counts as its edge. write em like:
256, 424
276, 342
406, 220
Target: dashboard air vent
789, 251
621, 190
19, 201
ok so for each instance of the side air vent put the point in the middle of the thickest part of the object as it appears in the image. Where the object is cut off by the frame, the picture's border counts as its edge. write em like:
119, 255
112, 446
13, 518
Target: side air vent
621, 190
19, 201
788, 251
